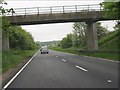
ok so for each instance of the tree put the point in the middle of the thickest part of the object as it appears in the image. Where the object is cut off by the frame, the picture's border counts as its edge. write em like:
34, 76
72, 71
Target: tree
3, 11
66, 41
112, 9
101, 31
20, 39
79, 34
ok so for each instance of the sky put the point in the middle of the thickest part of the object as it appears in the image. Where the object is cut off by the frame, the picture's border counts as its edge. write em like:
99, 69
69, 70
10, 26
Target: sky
56, 31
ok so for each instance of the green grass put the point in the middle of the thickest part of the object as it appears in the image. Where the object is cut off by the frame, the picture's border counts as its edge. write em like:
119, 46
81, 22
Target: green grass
111, 56
109, 37
110, 45
12, 58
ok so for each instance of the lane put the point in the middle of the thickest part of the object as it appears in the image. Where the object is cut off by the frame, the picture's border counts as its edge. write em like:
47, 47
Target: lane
46, 71
58, 70
102, 69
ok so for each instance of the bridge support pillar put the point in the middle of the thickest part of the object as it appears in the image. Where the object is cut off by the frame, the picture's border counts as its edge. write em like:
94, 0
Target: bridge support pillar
5, 41
92, 38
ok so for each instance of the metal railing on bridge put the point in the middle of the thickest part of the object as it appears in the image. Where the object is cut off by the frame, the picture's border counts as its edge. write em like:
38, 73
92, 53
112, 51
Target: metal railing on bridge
55, 9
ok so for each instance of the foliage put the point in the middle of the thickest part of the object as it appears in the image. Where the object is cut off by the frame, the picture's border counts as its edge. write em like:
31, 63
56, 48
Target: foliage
4, 11
109, 37
111, 56
12, 58
112, 9
110, 45
49, 43
78, 38
101, 31
66, 41
20, 39
79, 34
5, 23
117, 26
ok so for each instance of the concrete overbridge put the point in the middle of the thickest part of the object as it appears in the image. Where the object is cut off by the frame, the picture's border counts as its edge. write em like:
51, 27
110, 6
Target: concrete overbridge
61, 14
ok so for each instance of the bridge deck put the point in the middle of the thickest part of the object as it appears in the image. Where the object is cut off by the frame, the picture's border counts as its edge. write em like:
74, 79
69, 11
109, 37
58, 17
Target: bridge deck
56, 14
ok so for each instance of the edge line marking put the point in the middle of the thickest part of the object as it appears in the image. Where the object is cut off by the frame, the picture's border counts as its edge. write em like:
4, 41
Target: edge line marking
13, 78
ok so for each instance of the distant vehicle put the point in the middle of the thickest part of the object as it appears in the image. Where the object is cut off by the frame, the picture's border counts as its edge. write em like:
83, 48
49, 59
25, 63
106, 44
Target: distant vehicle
44, 49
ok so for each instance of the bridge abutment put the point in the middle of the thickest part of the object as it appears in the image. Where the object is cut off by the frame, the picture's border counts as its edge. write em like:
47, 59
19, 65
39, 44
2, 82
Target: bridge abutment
5, 40
92, 38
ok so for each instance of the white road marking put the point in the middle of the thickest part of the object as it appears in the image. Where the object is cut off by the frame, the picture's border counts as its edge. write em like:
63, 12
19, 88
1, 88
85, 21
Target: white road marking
82, 68
56, 56
64, 60
109, 81
18, 72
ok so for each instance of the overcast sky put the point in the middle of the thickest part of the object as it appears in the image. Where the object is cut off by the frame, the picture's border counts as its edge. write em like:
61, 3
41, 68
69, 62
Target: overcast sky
50, 32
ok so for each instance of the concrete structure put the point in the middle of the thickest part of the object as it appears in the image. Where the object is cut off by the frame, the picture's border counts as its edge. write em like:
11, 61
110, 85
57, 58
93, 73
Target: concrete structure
56, 18
5, 41
77, 14
88, 17
92, 38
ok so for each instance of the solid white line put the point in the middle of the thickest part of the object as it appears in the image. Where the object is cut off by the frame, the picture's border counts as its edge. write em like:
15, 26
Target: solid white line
82, 68
64, 60
18, 73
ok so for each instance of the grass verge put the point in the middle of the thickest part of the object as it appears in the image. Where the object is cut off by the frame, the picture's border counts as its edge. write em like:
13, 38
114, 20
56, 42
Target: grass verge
111, 56
12, 58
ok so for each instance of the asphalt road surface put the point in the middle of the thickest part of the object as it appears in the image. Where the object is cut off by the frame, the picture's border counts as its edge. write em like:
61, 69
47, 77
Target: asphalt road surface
63, 70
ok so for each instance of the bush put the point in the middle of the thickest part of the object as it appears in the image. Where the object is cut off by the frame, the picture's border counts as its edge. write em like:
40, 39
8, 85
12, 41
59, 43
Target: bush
110, 36
20, 39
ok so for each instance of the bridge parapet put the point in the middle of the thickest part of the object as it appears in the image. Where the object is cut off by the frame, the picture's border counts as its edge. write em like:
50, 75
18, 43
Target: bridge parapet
55, 9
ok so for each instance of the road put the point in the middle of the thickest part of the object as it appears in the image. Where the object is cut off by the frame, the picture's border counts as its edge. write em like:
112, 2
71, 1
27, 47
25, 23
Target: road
64, 70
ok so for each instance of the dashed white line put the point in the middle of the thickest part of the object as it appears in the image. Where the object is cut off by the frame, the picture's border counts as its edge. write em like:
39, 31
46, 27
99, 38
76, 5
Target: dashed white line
64, 60
18, 72
81, 68
109, 81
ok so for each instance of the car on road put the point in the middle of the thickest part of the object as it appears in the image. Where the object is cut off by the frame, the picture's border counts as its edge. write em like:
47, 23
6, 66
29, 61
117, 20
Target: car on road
44, 50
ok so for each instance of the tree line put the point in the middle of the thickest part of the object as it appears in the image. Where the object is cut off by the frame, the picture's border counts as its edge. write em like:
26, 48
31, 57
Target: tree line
20, 39
79, 38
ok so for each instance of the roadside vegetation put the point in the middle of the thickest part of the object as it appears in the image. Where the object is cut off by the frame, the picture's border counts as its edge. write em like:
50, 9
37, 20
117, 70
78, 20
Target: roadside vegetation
110, 45
13, 57
111, 56
107, 40
21, 46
